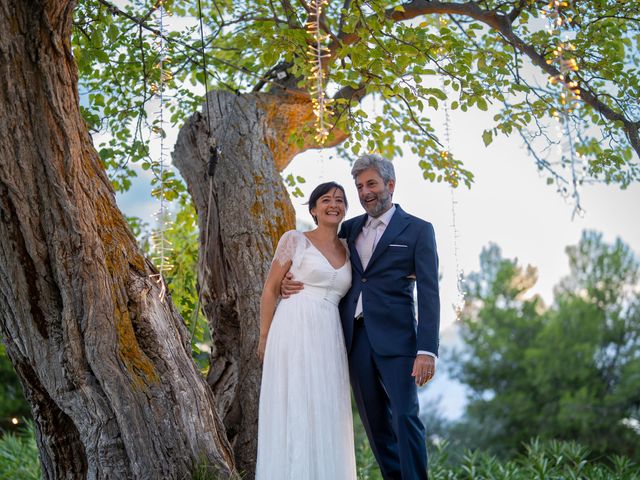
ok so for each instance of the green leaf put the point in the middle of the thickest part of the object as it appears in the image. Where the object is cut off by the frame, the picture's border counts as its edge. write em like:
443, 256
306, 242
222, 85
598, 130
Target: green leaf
487, 137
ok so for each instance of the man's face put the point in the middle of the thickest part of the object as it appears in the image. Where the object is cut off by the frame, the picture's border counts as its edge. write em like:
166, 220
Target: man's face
375, 195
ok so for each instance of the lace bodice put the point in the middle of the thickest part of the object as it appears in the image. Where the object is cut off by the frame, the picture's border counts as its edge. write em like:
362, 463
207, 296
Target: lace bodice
311, 268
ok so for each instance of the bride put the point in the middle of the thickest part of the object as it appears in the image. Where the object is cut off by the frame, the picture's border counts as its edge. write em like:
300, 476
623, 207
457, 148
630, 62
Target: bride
305, 429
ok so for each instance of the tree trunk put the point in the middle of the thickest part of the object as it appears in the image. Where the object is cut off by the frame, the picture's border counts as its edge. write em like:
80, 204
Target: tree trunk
105, 364
249, 211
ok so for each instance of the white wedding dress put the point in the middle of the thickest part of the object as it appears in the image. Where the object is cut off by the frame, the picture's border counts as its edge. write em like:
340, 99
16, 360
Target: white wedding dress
305, 428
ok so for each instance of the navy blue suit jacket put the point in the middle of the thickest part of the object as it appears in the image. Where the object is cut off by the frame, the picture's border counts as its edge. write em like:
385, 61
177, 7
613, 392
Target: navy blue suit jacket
406, 249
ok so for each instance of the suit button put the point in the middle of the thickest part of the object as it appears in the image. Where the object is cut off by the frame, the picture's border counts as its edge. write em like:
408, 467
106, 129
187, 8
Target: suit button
364, 280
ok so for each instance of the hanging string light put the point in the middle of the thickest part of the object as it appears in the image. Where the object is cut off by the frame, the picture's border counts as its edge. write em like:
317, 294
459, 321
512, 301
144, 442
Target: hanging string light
160, 245
458, 304
317, 53
558, 13
559, 17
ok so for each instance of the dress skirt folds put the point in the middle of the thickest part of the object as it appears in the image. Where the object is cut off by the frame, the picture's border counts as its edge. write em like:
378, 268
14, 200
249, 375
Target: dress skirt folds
305, 422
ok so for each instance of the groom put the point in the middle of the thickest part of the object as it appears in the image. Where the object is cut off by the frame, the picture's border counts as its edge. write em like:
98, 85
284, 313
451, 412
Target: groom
390, 353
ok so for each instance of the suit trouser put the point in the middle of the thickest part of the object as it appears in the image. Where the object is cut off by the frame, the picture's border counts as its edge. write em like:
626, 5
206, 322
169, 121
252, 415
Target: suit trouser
387, 400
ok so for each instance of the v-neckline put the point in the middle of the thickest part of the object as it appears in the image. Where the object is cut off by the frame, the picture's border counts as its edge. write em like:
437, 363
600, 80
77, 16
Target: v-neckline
346, 253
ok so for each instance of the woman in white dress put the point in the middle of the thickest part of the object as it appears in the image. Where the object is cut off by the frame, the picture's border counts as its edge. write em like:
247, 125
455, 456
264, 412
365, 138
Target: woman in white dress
305, 428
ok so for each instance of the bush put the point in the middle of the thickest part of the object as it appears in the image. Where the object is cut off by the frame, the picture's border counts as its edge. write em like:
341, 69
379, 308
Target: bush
553, 460
12, 401
19, 455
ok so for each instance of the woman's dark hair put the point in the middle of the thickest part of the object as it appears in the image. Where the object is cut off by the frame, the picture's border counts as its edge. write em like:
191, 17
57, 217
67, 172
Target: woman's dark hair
321, 190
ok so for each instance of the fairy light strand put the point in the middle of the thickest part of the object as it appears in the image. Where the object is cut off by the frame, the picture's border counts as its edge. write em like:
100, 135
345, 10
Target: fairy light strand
558, 13
161, 246
458, 305
317, 53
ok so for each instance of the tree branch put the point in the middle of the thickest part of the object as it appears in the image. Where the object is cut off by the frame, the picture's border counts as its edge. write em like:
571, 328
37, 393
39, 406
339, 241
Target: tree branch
140, 22
515, 13
502, 24
345, 8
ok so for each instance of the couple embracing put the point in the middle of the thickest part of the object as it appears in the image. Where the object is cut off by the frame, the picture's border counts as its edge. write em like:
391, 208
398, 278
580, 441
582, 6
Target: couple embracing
347, 313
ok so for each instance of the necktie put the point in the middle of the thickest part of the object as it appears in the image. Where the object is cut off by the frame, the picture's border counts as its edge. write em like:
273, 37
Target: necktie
370, 233
371, 241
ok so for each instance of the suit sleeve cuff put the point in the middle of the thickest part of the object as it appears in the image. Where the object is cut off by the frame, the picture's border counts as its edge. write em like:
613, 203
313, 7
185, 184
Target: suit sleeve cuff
424, 352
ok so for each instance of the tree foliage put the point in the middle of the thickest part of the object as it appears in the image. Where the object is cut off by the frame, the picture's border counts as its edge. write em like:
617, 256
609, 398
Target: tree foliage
181, 279
569, 371
413, 57
12, 401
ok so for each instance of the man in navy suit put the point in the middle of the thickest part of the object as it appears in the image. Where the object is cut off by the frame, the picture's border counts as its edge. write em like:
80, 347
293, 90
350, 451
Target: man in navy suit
390, 351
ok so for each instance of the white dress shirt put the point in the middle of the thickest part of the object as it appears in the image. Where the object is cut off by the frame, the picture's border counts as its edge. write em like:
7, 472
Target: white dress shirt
366, 242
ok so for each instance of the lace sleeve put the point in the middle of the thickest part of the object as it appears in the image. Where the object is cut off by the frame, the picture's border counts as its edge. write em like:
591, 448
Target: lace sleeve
287, 248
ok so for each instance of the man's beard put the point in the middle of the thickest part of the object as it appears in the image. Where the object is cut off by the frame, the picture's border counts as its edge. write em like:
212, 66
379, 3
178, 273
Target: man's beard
382, 204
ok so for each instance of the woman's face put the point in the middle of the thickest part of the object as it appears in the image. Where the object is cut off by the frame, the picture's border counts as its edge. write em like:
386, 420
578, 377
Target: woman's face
330, 208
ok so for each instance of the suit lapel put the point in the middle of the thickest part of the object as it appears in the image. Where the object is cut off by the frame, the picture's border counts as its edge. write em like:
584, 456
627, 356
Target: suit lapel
358, 224
398, 223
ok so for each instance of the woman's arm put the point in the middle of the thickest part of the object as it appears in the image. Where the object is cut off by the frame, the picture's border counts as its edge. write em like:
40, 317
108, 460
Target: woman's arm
269, 300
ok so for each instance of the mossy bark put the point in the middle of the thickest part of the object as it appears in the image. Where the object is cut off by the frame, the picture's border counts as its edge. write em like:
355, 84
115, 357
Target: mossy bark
105, 364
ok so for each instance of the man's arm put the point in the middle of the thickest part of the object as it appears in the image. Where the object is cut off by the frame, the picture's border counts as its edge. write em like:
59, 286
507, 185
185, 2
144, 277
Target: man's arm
428, 332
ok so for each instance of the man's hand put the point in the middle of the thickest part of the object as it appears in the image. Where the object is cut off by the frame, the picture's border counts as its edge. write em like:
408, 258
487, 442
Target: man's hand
289, 286
424, 368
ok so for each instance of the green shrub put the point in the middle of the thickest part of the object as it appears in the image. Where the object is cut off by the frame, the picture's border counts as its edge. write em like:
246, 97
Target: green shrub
552, 460
19, 455
12, 401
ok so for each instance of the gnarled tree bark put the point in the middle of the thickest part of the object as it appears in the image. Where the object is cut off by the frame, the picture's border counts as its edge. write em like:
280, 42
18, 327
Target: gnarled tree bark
105, 364
242, 212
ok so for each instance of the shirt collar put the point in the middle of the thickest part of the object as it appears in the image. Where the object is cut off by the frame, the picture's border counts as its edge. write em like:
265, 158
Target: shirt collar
385, 218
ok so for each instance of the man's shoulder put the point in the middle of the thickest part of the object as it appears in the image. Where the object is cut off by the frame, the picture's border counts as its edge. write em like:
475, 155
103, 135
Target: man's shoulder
348, 224
417, 221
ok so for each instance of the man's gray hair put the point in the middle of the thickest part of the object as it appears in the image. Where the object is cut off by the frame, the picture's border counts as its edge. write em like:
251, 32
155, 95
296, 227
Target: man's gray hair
380, 164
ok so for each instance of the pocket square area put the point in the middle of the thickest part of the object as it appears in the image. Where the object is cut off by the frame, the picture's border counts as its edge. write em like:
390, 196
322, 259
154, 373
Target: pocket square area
398, 245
